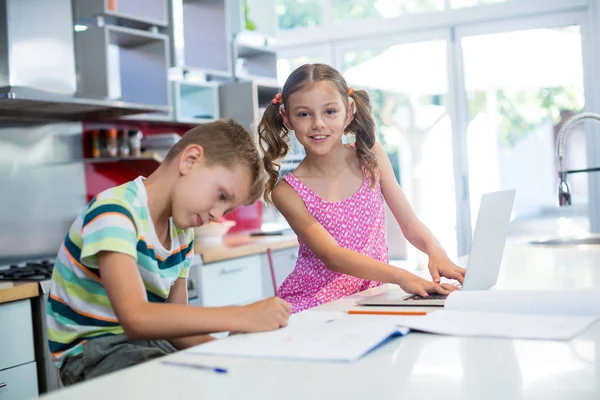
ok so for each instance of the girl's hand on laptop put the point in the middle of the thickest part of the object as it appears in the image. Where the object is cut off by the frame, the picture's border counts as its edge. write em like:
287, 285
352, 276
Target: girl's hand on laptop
412, 284
440, 265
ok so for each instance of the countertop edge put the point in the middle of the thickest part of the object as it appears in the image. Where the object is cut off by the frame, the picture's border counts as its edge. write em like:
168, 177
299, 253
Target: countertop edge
257, 245
18, 291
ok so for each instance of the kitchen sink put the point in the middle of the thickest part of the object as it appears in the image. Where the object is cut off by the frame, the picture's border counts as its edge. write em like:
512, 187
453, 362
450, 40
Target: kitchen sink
567, 241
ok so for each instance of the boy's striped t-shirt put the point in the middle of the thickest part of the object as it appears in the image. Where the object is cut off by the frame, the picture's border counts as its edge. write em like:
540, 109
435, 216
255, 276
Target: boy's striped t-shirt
117, 220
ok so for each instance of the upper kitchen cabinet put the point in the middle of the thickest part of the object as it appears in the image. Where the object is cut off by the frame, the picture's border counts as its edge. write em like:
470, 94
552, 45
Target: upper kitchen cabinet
254, 57
245, 102
201, 32
124, 64
38, 80
219, 39
132, 13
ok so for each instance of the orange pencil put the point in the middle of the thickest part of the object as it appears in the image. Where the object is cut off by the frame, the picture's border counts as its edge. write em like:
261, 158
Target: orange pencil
365, 312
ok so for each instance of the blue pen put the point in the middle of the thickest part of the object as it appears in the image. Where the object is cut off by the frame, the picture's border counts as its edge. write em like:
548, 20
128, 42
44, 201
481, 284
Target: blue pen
194, 366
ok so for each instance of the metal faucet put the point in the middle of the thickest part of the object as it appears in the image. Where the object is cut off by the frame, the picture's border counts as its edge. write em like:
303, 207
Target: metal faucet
564, 192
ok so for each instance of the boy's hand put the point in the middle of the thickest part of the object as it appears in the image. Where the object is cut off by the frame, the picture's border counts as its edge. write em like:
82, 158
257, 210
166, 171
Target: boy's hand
413, 284
440, 265
266, 315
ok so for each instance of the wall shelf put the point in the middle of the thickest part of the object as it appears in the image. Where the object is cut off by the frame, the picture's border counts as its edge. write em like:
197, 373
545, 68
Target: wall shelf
254, 57
201, 32
245, 102
120, 63
131, 13
195, 102
144, 158
132, 166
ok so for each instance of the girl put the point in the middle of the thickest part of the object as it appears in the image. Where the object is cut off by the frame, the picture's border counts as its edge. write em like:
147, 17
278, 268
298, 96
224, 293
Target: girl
333, 200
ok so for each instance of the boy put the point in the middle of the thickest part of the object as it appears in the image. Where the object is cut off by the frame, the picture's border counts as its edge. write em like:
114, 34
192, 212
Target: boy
119, 294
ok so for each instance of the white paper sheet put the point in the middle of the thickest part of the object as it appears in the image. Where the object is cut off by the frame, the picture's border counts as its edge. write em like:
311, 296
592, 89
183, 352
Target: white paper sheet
572, 302
321, 336
502, 325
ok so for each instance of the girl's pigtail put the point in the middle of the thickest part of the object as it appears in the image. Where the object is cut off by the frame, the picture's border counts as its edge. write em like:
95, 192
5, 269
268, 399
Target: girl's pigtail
274, 143
363, 126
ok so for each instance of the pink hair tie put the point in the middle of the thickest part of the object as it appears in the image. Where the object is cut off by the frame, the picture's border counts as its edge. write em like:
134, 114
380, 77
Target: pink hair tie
277, 99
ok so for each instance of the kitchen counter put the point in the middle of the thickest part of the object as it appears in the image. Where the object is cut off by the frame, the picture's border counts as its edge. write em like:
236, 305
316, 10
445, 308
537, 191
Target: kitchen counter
415, 366
13, 291
242, 245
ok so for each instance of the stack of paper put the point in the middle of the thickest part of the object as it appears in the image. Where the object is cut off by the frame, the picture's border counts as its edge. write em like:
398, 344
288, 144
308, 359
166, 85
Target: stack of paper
523, 314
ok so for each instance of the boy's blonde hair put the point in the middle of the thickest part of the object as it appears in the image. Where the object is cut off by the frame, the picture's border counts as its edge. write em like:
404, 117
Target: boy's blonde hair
228, 144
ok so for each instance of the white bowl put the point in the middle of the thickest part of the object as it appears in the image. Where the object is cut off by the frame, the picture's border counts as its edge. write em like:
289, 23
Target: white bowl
213, 232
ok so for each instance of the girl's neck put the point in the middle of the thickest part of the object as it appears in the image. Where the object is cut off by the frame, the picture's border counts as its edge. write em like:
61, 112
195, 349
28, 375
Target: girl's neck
328, 165
159, 186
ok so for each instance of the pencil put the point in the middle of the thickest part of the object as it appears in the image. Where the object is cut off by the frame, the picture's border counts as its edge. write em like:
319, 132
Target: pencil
373, 312
272, 268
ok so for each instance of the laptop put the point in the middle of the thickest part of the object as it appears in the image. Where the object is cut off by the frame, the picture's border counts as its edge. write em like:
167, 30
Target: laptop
484, 259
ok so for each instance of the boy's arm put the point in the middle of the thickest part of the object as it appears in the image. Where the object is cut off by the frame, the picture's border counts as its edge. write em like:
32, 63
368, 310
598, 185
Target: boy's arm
179, 295
141, 319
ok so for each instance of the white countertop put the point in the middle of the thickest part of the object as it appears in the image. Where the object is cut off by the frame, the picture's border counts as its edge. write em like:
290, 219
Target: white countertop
417, 366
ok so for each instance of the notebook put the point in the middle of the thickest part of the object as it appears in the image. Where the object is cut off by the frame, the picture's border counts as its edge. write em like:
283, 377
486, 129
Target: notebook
311, 336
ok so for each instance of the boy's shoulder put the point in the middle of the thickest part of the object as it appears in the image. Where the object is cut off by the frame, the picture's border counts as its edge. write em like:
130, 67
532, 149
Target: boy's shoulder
129, 195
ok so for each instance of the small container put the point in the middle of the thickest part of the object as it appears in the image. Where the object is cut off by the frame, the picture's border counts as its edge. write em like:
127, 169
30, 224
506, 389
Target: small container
123, 144
135, 143
112, 143
96, 144
102, 139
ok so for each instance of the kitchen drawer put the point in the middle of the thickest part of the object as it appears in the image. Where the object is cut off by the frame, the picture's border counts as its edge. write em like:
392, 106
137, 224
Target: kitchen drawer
16, 334
230, 282
19, 383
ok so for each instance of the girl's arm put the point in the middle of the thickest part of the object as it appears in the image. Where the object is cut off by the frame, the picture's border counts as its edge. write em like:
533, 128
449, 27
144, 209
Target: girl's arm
340, 259
412, 228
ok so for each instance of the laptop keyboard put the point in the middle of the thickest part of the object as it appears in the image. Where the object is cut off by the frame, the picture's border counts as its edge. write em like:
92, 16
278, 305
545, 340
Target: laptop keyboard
434, 296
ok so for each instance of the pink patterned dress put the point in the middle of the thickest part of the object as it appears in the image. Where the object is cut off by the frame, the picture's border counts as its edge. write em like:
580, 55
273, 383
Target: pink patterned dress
356, 223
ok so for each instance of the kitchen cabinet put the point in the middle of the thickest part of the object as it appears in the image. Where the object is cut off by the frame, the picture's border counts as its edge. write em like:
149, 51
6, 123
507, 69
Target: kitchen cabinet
18, 376
195, 102
240, 280
201, 32
245, 102
231, 282
120, 63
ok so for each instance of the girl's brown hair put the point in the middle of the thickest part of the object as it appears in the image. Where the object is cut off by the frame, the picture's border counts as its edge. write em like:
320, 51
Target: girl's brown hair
274, 135
228, 144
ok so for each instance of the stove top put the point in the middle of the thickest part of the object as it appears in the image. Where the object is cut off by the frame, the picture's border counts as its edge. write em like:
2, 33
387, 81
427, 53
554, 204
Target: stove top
33, 271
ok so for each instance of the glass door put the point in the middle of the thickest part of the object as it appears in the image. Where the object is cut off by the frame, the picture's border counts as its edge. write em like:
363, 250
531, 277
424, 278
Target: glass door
522, 81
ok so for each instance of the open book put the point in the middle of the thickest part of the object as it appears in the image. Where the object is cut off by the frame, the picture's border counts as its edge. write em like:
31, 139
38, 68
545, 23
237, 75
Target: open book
524, 314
